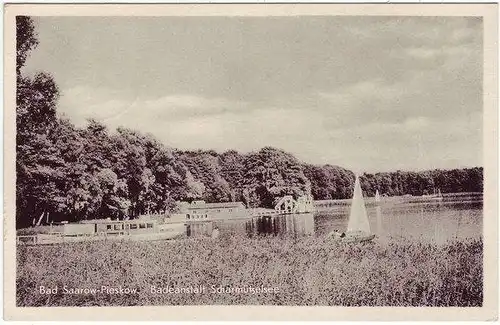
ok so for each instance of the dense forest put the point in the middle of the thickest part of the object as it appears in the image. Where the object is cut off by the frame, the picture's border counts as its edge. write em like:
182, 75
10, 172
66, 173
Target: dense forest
69, 173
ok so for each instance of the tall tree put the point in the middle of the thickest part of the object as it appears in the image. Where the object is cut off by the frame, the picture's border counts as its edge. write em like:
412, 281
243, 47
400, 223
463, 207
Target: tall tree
26, 40
37, 161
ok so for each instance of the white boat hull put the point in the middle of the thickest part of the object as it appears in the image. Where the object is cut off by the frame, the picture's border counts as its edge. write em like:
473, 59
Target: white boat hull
357, 236
352, 237
48, 239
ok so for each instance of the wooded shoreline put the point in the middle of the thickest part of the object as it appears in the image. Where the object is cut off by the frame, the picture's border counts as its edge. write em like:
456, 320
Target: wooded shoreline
64, 172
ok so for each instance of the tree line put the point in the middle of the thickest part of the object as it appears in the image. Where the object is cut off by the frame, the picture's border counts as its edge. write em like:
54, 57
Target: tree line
69, 173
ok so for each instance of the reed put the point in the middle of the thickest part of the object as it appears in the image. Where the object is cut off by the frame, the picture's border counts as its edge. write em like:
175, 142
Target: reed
306, 271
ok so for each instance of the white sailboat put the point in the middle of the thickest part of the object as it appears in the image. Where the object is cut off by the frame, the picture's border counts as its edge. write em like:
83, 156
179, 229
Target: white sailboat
377, 196
358, 227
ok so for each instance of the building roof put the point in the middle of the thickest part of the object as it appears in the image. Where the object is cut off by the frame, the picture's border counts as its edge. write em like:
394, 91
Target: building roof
223, 205
108, 221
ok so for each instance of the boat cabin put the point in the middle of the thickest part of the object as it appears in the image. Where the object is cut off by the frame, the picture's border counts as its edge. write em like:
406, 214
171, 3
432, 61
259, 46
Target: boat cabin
202, 211
110, 227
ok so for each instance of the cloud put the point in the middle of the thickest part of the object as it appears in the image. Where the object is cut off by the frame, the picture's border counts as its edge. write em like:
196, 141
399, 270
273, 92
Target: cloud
362, 91
82, 102
374, 93
415, 142
422, 53
458, 54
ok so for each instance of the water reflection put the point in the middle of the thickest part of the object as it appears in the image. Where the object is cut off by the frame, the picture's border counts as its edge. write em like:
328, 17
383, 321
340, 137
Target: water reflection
428, 222
199, 229
380, 229
285, 225
435, 223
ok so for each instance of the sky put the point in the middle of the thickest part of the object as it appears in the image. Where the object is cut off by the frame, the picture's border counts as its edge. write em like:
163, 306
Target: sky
366, 93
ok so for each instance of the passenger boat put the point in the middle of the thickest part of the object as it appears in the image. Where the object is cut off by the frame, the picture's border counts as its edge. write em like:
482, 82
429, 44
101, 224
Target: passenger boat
92, 230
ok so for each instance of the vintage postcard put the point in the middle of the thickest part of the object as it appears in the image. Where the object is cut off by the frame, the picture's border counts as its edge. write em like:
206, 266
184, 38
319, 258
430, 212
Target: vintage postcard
251, 162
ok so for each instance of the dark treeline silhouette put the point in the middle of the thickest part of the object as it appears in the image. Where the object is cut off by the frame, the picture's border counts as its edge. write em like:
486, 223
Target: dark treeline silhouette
332, 182
69, 173
426, 182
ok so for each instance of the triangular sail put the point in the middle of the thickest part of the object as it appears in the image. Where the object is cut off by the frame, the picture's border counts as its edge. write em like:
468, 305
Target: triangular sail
377, 197
358, 219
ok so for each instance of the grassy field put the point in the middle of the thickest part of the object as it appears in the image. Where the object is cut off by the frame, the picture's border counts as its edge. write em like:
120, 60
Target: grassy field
307, 271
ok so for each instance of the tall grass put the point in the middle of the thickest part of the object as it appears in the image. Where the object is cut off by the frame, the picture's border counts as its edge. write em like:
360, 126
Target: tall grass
307, 271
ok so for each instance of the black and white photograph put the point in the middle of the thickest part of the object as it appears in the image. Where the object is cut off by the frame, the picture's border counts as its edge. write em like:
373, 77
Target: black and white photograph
268, 160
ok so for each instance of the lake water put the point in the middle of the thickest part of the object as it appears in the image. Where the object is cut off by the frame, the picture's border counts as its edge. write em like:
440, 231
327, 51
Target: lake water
429, 222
